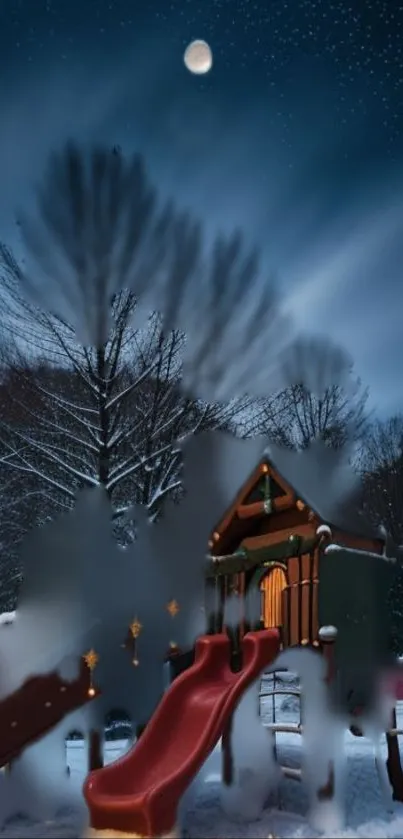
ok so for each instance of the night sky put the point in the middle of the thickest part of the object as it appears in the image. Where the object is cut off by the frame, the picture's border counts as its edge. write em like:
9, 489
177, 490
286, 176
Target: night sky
296, 136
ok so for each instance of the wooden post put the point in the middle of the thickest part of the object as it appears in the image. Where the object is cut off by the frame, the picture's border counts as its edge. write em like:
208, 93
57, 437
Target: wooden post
326, 792
327, 637
227, 770
95, 750
393, 763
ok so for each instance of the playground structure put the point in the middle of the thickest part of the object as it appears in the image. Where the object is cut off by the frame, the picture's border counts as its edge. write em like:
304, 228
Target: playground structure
139, 793
298, 564
271, 540
278, 726
307, 568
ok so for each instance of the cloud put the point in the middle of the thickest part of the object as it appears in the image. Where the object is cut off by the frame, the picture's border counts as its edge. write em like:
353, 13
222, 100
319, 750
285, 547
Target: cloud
298, 187
349, 285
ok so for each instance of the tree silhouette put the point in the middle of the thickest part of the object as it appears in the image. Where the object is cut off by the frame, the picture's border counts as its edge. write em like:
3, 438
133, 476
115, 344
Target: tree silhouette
108, 409
322, 399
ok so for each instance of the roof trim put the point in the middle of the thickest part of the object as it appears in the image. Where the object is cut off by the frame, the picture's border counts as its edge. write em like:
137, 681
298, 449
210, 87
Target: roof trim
249, 484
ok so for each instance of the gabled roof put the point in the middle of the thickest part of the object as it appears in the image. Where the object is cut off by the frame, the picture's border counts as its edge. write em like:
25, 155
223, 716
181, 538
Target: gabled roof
318, 476
325, 481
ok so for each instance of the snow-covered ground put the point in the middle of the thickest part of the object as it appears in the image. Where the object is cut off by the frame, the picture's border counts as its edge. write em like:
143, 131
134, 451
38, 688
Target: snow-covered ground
368, 812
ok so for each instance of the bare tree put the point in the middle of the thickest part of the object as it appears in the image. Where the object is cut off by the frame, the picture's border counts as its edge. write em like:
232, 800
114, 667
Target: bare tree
107, 411
381, 466
322, 400
97, 229
82, 422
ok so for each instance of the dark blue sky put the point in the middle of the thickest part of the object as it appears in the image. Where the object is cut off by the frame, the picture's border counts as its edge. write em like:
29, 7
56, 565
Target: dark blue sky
296, 136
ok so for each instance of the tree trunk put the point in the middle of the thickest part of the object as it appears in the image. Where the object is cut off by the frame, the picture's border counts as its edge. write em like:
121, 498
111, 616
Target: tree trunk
103, 468
393, 763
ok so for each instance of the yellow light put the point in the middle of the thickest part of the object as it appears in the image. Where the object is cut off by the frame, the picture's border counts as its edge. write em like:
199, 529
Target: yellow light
173, 645
91, 659
91, 691
135, 628
265, 468
173, 608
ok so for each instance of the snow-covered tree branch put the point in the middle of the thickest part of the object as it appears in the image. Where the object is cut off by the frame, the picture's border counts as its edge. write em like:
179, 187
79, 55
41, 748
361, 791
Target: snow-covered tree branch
108, 411
322, 400
381, 466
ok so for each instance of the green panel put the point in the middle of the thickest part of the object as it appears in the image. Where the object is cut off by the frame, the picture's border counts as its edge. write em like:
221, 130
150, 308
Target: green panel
353, 596
246, 558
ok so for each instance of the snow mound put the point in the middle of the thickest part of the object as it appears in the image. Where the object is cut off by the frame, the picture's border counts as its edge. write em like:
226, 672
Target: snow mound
255, 770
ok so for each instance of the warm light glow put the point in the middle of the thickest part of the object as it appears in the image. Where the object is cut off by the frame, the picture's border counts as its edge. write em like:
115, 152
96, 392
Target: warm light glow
173, 645
300, 505
91, 659
91, 691
173, 608
272, 588
216, 536
135, 628
135, 662
265, 468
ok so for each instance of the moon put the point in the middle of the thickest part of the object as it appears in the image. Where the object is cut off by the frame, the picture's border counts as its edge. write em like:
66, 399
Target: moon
198, 57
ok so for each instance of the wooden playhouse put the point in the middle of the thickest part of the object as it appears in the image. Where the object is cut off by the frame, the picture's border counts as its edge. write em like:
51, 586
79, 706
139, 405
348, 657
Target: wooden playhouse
268, 549
292, 558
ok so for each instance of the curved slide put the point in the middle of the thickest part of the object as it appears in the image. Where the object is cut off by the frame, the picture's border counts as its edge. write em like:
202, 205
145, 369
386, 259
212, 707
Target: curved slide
139, 793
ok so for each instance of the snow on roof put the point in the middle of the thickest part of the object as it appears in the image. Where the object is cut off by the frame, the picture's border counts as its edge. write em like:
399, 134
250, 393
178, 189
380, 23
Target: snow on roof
332, 548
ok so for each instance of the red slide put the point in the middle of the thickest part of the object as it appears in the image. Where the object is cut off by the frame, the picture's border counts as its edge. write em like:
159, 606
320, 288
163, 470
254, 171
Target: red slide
139, 793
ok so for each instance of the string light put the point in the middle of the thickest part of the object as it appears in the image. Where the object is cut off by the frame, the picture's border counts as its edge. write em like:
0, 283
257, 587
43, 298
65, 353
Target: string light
135, 630
173, 608
91, 659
